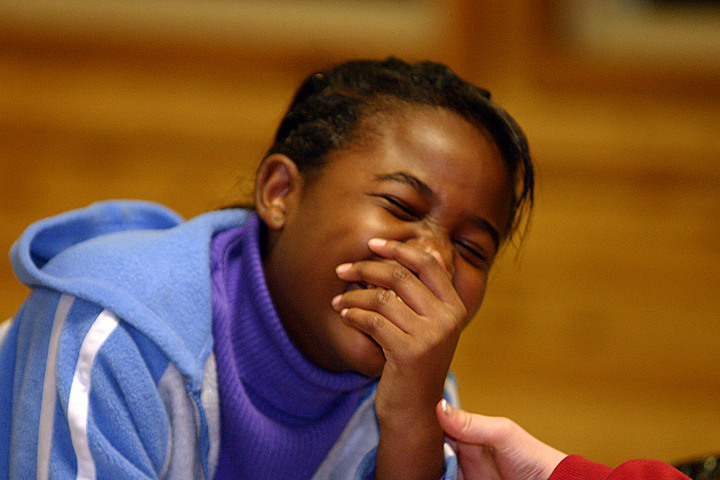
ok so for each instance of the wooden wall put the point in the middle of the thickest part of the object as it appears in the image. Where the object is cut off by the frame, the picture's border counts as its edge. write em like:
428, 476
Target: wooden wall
599, 334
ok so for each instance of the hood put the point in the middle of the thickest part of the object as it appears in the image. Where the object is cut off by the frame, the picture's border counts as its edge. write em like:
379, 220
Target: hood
138, 260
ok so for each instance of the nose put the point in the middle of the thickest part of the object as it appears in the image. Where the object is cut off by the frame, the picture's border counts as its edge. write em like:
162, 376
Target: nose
437, 243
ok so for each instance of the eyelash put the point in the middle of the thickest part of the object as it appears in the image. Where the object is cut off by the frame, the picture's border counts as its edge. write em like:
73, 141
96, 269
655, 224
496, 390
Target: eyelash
473, 256
408, 212
477, 258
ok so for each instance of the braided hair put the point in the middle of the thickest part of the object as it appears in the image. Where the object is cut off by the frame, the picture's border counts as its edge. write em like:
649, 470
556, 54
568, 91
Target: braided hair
326, 111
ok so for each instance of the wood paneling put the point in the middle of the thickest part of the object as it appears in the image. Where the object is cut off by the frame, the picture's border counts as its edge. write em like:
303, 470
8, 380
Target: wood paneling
598, 335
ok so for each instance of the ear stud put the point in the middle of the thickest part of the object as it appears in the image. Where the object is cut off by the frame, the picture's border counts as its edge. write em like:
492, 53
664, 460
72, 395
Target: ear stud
278, 220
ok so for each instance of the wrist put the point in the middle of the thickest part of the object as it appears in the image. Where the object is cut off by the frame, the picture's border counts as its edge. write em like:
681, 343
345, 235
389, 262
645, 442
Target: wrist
419, 438
410, 454
408, 406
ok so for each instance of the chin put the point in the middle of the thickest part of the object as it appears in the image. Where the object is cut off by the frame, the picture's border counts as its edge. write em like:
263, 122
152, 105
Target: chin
366, 357
370, 371
374, 372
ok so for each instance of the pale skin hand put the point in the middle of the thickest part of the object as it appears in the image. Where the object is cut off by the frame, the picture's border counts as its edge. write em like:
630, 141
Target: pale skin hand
495, 448
416, 316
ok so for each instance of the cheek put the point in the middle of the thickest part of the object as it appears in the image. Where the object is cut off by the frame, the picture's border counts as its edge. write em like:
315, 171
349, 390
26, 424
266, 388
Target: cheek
340, 236
471, 289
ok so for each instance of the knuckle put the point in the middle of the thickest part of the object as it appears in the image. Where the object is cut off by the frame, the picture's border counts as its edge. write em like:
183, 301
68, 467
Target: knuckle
374, 322
397, 247
454, 321
401, 274
467, 424
380, 297
427, 259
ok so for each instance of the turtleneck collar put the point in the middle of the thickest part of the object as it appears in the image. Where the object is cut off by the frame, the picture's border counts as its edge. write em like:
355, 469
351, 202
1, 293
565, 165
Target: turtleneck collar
275, 375
280, 414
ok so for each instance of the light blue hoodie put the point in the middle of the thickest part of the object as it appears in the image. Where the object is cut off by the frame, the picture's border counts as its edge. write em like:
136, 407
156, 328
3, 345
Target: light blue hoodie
107, 370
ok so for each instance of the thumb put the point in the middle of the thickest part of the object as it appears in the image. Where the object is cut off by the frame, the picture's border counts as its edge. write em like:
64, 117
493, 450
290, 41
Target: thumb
461, 425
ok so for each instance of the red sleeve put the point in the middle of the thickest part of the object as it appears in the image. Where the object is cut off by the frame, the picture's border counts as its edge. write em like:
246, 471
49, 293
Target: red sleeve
576, 467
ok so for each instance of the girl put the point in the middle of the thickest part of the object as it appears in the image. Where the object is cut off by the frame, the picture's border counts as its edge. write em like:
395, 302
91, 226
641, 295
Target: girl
309, 337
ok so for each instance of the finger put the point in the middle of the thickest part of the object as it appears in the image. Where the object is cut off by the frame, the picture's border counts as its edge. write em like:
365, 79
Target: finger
427, 265
464, 426
373, 324
478, 462
390, 275
383, 301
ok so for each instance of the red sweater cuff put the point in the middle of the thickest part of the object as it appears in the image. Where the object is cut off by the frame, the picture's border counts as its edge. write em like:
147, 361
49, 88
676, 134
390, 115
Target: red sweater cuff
575, 467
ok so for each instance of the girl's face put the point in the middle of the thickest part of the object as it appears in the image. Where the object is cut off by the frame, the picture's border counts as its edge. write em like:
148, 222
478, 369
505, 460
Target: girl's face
426, 177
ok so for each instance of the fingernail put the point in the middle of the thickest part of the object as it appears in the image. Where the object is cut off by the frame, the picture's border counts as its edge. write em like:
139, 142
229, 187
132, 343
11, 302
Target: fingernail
447, 409
438, 257
335, 301
343, 267
377, 242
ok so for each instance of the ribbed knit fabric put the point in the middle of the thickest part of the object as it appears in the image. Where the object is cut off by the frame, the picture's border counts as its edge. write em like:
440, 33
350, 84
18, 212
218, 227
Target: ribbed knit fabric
575, 467
280, 414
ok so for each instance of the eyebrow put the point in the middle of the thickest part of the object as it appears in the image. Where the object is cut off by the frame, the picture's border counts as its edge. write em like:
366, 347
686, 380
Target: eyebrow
426, 192
404, 177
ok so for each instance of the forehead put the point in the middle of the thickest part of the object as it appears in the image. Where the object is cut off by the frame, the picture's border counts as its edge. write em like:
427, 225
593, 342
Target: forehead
458, 160
437, 137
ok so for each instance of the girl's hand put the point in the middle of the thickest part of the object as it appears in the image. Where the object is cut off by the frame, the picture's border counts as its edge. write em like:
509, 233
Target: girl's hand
414, 313
494, 448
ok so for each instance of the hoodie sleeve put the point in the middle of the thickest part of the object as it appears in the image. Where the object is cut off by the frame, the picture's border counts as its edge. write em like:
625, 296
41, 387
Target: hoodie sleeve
91, 397
353, 455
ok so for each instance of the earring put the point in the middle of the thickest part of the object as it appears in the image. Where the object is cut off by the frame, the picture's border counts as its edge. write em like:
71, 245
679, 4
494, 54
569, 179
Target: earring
277, 220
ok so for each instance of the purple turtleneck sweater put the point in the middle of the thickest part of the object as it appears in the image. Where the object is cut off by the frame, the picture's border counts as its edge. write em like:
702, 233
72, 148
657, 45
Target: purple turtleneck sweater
280, 414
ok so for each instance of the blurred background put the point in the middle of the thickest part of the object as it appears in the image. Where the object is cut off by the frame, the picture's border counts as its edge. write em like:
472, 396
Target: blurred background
599, 334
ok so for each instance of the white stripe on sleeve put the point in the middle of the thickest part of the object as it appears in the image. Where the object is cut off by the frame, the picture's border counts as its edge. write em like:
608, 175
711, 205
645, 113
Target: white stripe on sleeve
47, 407
4, 329
79, 401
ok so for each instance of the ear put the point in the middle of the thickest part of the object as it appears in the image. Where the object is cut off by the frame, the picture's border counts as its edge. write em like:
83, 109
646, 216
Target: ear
277, 189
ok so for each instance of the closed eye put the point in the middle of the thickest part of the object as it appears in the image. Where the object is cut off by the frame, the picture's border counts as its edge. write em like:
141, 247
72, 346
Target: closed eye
473, 254
399, 208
